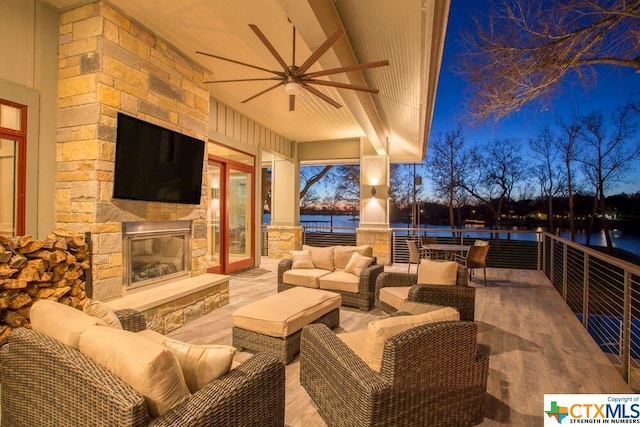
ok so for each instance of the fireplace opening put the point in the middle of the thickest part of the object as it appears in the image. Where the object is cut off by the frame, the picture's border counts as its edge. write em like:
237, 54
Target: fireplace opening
155, 251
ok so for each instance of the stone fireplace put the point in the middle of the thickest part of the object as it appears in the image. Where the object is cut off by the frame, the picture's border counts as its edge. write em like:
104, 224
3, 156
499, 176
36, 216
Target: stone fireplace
107, 64
155, 252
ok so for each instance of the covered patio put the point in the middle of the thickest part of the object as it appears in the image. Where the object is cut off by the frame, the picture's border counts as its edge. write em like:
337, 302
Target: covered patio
535, 343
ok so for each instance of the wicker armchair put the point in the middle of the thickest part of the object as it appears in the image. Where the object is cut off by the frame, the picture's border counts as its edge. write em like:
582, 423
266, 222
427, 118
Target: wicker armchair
45, 382
431, 375
461, 296
362, 300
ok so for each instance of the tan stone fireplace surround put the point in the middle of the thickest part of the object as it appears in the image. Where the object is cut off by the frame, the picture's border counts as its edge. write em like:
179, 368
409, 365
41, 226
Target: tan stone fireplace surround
109, 64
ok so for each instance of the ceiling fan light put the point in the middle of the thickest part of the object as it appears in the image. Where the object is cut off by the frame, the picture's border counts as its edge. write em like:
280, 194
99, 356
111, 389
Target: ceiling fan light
293, 88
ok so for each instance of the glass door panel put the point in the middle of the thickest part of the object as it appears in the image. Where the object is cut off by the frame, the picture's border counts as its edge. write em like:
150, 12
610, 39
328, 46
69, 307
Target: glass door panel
8, 187
214, 236
240, 193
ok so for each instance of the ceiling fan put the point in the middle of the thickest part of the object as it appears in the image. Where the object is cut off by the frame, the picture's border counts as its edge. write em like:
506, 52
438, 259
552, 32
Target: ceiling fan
295, 77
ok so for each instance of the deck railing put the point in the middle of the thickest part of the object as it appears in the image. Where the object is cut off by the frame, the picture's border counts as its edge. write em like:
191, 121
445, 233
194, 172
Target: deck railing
603, 291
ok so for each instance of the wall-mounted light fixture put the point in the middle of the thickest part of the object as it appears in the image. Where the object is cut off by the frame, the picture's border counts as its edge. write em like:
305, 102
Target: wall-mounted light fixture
373, 191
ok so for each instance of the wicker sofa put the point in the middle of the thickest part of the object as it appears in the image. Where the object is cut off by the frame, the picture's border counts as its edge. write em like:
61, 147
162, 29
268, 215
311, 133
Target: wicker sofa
45, 382
460, 296
430, 375
328, 272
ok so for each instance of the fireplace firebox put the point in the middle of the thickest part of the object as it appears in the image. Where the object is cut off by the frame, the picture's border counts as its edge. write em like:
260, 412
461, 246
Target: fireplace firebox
155, 251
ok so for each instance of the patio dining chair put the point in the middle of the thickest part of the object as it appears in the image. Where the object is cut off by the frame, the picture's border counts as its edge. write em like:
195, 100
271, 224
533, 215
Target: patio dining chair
476, 257
414, 254
429, 253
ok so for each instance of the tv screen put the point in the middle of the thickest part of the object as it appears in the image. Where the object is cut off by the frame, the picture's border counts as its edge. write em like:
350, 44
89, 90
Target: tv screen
156, 164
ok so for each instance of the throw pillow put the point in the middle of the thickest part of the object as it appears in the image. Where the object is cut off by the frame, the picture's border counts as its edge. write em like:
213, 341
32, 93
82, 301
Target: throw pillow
61, 322
437, 272
201, 364
301, 259
102, 311
342, 254
357, 263
322, 257
149, 368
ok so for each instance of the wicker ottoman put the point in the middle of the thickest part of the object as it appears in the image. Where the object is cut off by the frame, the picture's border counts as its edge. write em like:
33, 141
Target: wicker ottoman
274, 324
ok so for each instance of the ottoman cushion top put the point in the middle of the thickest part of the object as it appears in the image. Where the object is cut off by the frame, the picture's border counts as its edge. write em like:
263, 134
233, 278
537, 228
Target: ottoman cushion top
286, 312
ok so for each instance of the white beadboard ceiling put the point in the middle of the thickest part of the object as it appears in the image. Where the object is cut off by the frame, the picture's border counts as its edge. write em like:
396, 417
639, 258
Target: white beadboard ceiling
409, 33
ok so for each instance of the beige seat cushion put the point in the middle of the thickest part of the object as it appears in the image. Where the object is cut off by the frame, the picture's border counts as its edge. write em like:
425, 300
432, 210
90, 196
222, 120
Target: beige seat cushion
61, 322
437, 272
304, 277
340, 281
394, 295
322, 257
342, 254
301, 259
378, 331
414, 307
102, 311
200, 364
149, 368
286, 312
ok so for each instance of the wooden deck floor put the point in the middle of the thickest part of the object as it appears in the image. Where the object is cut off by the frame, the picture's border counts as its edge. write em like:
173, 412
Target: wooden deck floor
536, 345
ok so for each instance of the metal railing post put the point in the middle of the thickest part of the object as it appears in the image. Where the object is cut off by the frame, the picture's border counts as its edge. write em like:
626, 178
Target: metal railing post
565, 251
585, 292
552, 245
626, 327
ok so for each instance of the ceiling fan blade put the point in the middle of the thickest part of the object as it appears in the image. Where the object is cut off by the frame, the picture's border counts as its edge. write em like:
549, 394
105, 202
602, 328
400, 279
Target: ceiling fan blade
262, 93
349, 68
342, 85
321, 95
280, 73
320, 51
292, 102
270, 47
242, 80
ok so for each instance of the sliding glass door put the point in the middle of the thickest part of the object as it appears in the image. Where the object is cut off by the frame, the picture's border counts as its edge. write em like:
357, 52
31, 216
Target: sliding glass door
12, 168
230, 218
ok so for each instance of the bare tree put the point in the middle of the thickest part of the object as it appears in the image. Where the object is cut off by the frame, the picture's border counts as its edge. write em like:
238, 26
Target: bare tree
525, 48
609, 156
566, 144
545, 153
446, 160
401, 187
495, 170
309, 176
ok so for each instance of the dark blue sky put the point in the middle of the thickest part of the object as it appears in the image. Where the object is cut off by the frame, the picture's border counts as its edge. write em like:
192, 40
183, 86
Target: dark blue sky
612, 90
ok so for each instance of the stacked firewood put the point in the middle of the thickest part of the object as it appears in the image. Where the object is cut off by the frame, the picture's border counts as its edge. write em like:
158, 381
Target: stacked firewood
31, 270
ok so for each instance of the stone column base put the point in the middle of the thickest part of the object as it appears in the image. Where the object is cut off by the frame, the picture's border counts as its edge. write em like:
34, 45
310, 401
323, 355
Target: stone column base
379, 239
283, 239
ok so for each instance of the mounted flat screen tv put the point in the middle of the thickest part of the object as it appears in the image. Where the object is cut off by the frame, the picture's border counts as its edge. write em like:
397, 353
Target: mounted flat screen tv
156, 164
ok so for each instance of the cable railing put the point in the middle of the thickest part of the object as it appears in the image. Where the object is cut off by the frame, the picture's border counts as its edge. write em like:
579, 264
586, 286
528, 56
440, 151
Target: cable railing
604, 293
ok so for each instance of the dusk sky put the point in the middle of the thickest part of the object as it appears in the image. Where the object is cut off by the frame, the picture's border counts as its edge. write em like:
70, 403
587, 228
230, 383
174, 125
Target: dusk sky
612, 90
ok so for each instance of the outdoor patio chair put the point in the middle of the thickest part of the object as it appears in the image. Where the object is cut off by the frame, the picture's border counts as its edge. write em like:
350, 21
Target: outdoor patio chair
429, 375
476, 257
414, 254
460, 296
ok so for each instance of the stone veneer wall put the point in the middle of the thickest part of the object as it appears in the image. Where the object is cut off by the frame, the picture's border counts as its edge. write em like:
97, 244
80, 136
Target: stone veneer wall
379, 239
109, 63
283, 240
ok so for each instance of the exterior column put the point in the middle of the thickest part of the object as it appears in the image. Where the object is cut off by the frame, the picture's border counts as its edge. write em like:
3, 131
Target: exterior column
374, 206
284, 232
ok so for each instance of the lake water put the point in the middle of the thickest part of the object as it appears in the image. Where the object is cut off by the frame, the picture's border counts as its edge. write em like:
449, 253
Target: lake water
628, 242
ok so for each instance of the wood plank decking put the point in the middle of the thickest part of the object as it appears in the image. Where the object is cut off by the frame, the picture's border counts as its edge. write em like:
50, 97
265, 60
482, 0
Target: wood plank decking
536, 344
